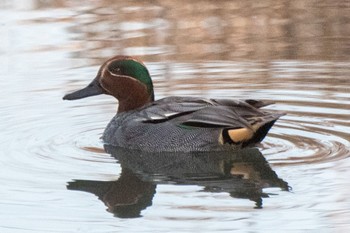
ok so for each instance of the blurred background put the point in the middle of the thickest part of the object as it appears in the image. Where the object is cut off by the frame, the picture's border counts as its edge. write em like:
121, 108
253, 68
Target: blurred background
179, 31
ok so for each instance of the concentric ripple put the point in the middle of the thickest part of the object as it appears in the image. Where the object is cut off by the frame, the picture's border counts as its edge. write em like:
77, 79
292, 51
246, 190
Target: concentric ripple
293, 143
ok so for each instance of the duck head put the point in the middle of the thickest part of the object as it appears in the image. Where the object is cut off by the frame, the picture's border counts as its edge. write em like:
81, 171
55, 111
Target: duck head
125, 78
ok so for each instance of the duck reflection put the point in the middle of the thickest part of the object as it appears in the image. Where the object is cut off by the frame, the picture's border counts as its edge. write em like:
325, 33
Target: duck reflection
242, 174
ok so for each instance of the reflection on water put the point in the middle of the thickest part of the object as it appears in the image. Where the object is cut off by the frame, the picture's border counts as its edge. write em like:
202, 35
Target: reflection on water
232, 29
180, 31
293, 52
242, 174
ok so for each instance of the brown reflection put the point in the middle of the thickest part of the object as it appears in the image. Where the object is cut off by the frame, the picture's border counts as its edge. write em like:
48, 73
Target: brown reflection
208, 30
242, 174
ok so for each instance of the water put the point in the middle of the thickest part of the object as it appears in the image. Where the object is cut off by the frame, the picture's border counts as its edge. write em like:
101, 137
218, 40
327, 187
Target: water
296, 54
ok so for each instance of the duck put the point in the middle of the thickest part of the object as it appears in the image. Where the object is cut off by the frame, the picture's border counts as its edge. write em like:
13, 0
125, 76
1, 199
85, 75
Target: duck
174, 123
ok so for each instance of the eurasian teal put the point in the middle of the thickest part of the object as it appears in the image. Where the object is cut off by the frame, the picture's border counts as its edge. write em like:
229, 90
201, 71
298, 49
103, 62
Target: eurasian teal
173, 123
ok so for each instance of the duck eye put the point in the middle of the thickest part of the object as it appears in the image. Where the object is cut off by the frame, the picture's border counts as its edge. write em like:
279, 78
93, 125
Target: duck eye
114, 68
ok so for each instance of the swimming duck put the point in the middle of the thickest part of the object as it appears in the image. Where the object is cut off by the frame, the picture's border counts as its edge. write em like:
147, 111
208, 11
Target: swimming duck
181, 124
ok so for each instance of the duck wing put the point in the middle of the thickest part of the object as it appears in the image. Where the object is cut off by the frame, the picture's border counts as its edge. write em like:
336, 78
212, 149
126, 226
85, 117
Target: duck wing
207, 113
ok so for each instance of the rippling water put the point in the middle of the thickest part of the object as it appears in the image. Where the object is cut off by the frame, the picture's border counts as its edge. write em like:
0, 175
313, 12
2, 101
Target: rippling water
57, 177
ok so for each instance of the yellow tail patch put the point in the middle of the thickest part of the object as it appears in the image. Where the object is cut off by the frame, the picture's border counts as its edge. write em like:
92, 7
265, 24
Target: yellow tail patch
240, 135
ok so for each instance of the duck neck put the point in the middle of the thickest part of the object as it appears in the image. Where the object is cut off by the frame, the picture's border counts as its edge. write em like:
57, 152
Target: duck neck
136, 97
133, 102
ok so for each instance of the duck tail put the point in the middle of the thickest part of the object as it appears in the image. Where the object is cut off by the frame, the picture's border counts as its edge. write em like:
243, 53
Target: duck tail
250, 136
260, 134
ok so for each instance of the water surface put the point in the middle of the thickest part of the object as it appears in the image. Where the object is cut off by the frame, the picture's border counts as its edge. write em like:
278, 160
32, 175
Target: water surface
56, 176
